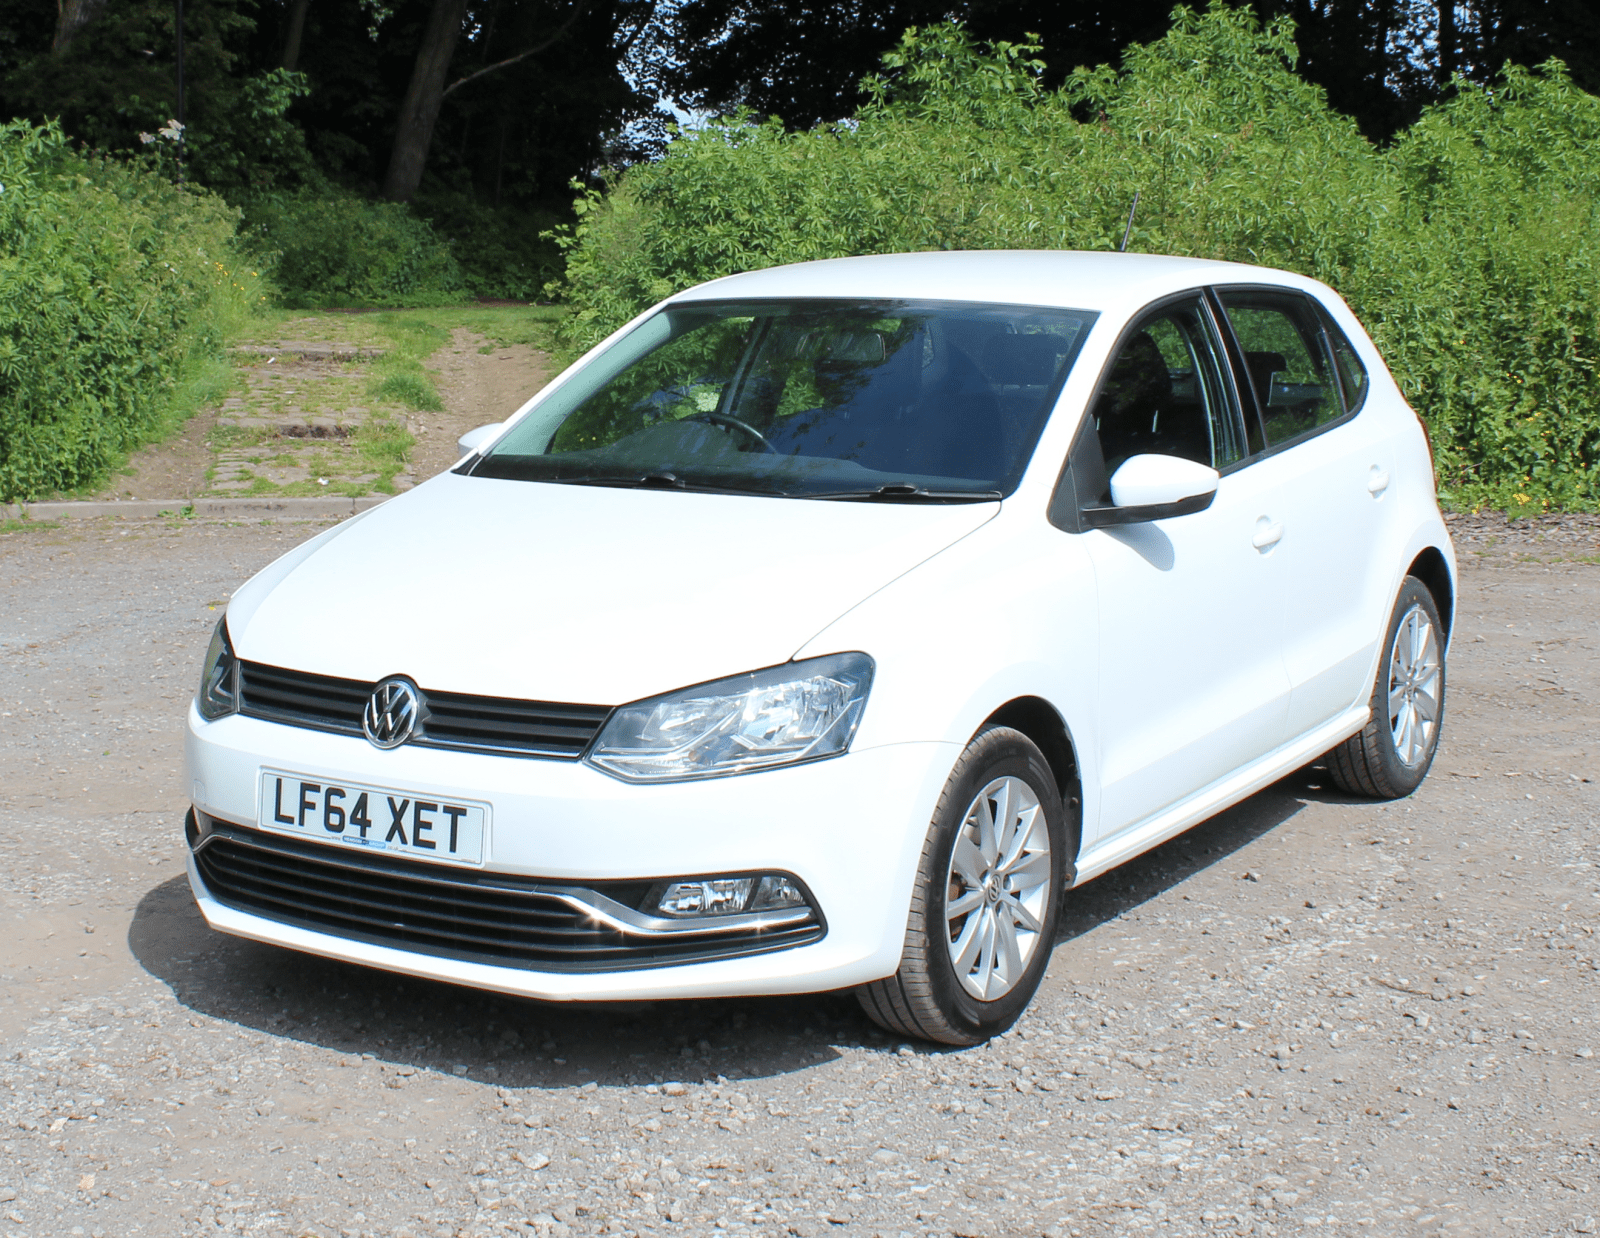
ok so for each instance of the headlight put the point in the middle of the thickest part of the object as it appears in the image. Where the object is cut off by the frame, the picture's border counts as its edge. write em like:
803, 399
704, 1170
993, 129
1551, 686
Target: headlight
219, 681
801, 711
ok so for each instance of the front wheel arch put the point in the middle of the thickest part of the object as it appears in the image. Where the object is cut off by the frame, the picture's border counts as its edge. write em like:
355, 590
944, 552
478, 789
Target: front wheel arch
1036, 718
928, 995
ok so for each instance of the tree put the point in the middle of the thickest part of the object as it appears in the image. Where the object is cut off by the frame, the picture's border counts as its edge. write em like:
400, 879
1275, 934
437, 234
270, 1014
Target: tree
295, 34
74, 15
419, 110
1381, 61
804, 60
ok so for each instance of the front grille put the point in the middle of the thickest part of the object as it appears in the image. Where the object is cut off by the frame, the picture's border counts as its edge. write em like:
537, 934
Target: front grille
452, 720
447, 719
319, 701
481, 917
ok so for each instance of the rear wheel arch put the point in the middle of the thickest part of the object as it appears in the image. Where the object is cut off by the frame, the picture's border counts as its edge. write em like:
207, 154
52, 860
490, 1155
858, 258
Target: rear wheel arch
1036, 718
1433, 571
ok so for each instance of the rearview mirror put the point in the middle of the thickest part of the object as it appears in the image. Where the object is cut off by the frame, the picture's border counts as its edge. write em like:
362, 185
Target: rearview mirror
474, 439
1155, 488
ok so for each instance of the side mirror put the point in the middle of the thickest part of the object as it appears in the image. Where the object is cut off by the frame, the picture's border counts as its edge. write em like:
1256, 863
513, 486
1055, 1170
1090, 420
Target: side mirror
1155, 488
474, 439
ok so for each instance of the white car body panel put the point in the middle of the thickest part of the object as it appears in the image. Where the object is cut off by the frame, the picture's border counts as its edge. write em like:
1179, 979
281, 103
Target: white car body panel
1124, 845
557, 819
646, 614
1334, 585
1188, 665
1189, 690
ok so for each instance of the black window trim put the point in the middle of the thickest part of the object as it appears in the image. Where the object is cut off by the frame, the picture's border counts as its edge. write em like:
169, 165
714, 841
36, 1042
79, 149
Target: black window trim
1334, 332
1245, 382
1083, 478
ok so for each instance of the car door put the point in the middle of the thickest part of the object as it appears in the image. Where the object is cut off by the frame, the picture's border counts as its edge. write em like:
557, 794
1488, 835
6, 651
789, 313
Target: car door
1191, 678
1332, 466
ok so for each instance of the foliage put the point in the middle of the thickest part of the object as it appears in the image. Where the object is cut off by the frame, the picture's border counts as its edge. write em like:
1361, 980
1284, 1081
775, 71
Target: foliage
804, 60
112, 89
252, 144
117, 292
328, 249
1493, 319
1470, 247
500, 249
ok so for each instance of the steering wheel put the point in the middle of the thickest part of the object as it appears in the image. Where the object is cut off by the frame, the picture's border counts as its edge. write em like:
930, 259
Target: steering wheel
733, 423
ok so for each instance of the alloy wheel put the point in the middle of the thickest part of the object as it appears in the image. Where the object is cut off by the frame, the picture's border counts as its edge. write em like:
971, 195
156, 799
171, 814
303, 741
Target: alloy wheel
1414, 676
997, 888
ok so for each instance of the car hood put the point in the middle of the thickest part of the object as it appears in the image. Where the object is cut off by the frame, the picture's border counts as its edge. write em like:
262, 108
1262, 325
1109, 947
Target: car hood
579, 594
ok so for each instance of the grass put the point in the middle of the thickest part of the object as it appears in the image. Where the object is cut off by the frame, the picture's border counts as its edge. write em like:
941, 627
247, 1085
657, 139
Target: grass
27, 526
414, 389
504, 326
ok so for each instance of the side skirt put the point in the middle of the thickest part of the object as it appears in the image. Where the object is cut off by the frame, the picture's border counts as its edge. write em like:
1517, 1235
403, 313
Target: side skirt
1224, 793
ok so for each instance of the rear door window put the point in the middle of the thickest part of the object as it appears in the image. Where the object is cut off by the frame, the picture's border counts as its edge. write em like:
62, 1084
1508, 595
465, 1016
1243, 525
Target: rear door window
1286, 357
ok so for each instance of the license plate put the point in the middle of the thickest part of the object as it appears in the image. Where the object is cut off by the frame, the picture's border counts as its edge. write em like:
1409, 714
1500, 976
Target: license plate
413, 824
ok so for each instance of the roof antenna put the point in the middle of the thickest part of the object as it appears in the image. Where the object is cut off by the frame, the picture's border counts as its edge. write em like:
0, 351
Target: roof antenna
1128, 231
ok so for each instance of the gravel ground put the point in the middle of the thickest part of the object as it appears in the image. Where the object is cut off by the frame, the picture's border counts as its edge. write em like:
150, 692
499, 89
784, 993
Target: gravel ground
1308, 1012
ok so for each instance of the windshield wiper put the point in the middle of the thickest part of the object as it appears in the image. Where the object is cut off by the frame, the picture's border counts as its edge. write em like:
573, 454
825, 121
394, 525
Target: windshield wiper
660, 481
905, 492
893, 492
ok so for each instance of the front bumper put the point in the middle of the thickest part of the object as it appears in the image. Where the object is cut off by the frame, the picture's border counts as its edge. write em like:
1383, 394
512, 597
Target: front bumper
851, 829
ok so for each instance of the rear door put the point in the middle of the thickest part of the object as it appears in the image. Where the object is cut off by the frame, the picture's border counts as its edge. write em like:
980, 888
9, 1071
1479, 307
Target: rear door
1332, 467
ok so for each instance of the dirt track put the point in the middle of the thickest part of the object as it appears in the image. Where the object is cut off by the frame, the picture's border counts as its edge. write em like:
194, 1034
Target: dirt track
1306, 1013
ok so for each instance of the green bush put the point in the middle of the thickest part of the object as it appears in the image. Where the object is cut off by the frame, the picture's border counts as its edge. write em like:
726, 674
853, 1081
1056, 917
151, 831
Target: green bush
1492, 313
1470, 248
117, 291
503, 251
327, 249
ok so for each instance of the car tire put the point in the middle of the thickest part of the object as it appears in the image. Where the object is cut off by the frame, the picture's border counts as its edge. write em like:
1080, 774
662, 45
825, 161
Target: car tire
964, 991
1389, 757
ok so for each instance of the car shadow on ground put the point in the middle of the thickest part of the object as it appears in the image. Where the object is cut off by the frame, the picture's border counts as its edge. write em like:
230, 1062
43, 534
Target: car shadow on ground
515, 1042
1214, 841
488, 1037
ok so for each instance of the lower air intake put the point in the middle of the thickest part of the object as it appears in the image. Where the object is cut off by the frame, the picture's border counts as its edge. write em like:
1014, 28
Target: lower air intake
463, 914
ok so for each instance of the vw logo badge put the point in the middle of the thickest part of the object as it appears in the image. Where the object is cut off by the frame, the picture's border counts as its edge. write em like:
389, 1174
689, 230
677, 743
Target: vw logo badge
391, 713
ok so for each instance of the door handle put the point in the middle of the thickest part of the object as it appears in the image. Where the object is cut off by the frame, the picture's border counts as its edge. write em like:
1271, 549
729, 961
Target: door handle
1377, 480
1268, 533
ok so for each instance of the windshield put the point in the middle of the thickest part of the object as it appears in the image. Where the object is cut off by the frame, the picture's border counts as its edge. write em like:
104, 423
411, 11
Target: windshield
808, 399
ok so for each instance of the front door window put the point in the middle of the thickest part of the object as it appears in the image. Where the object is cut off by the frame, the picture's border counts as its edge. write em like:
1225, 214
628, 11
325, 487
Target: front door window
1164, 394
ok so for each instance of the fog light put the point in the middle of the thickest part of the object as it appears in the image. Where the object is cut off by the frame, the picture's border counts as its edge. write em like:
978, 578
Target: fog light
729, 896
723, 896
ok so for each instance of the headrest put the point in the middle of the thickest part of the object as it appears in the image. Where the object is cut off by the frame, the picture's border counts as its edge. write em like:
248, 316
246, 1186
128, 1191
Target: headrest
1266, 363
1139, 375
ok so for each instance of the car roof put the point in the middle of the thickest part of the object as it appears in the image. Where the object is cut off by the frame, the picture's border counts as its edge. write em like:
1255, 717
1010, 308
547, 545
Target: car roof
1065, 278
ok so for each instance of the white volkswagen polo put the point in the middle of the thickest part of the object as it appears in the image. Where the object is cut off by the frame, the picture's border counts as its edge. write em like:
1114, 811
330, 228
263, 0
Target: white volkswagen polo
823, 626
